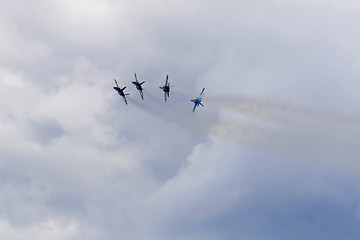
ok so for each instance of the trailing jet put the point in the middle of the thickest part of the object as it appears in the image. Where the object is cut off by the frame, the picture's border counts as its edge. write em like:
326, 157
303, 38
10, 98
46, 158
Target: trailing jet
138, 86
197, 101
121, 91
166, 88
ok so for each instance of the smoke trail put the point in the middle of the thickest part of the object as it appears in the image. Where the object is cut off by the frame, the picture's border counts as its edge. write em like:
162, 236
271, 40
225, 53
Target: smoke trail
155, 98
276, 110
281, 127
174, 114
287, 128
184, 93
182, 109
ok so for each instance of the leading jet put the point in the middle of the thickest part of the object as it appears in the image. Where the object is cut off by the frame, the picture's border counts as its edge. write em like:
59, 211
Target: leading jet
121, 91
166, 88
138, 86
197, 101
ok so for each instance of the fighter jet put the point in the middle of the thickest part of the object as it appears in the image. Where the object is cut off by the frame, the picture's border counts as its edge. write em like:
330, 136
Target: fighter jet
166, 88
121, 91
197, 101
138, 86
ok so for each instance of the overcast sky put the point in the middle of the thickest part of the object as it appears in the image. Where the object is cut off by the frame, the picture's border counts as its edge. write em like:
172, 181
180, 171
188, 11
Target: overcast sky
274, 154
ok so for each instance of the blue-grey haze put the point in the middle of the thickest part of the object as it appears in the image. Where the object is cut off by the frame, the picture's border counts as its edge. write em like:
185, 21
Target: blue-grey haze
274, 154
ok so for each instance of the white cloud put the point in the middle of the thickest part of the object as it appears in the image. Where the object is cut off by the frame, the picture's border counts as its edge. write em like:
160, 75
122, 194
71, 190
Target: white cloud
50, 229
76, 161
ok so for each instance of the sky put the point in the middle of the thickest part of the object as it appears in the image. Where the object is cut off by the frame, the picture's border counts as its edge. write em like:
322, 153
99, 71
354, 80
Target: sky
274, 154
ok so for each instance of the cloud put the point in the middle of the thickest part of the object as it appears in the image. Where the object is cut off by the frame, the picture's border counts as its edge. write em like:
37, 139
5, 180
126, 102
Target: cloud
50, 229
272, 155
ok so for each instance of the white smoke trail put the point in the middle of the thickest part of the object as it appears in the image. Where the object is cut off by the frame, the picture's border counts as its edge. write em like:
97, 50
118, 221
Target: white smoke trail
286, 128
183, 93
281, 127
276, 110
174, 114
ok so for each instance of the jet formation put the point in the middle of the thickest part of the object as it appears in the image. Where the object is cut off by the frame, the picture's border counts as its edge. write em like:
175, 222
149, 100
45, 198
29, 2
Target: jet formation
165, 88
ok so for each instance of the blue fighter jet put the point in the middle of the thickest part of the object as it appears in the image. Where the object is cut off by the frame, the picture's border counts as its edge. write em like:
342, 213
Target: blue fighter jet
197, 101
121, 91
166, 88
138, 86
